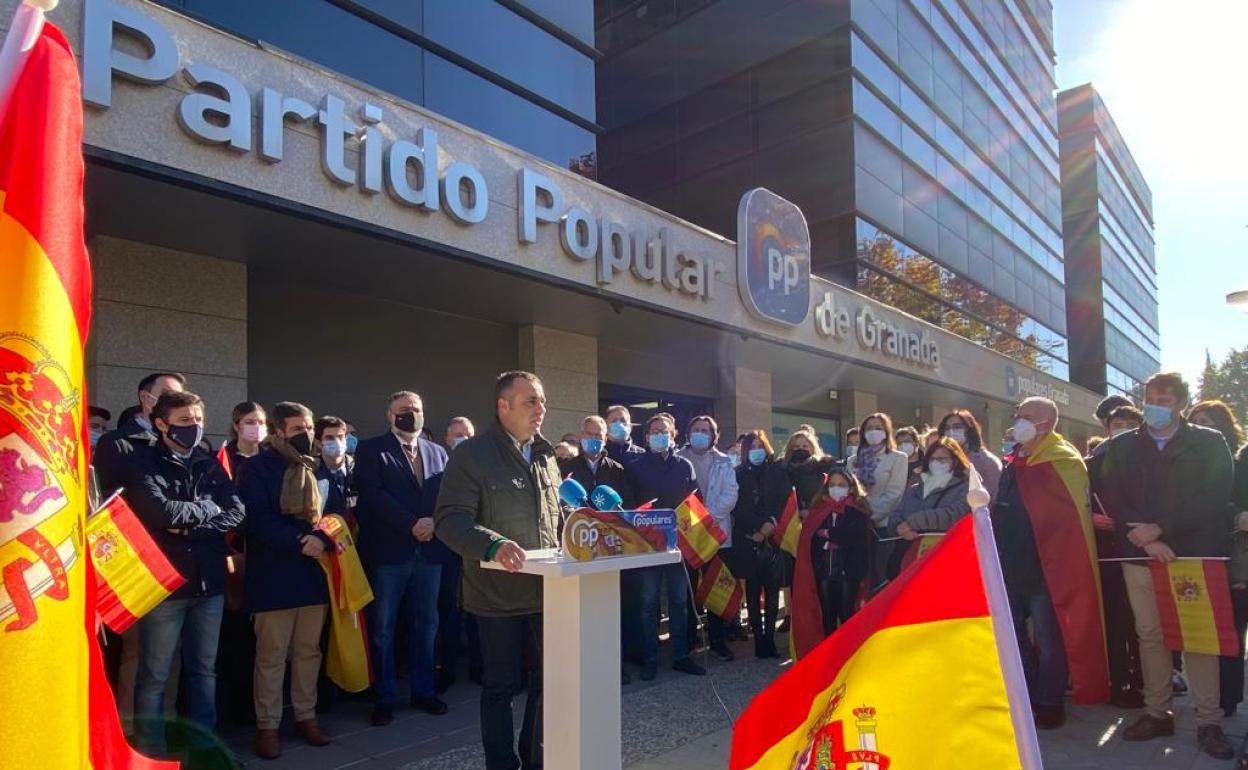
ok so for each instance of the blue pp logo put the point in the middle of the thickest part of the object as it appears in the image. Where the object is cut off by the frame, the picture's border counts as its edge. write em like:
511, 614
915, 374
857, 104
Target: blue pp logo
773, 257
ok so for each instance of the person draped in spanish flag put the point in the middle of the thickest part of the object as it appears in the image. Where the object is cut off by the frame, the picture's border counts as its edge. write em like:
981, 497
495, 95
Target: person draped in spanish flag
1044, 535
1166, 485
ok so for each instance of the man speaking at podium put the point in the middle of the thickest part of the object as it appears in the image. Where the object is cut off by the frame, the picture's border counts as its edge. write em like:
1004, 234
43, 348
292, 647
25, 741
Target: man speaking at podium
499, 497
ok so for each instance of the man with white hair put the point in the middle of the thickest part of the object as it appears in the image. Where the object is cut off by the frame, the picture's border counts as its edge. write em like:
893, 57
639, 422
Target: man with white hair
1044, 537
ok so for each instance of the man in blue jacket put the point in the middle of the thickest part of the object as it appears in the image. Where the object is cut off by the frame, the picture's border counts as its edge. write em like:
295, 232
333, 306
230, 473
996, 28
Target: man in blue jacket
286, 588
187, 504
397, 476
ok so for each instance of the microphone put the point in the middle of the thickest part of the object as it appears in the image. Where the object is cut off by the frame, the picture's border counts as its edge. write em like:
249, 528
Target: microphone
605, 498
572, 493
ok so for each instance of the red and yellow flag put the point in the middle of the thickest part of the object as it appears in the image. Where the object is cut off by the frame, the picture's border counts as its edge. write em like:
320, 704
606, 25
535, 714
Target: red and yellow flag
697, 534
1053, 482
919, 546
788, 531
131, 574
863, 697
720, 591
1194, 601
57, 706
348, 664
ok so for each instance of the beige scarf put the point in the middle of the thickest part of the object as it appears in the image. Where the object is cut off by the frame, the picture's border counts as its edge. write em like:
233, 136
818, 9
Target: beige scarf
301, 496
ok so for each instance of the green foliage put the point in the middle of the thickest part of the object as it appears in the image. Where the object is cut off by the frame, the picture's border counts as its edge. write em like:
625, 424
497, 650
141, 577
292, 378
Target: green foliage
1227, 381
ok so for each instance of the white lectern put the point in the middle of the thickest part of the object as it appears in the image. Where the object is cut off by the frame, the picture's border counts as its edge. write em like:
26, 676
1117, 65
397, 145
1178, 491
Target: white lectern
581, 655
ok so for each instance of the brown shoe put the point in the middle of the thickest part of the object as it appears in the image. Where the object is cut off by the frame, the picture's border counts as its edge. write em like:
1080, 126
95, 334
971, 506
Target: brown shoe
1148, 727
1212, 741
268, 744
312, 733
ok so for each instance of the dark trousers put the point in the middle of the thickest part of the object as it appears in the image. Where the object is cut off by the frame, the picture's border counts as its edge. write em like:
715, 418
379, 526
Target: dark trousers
1232, 668
503, 644
836, 602
630, 615
762, 618
1121, 642
1044, 661
453, 622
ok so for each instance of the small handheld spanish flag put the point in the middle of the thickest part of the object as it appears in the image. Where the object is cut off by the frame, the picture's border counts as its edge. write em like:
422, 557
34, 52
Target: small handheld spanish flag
697, 534
863, 697
1194, 601
131, 574
788, 531
920, 546
720, 591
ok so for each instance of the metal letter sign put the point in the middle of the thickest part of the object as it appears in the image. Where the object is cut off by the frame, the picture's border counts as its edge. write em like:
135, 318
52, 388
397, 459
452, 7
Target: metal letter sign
773, 257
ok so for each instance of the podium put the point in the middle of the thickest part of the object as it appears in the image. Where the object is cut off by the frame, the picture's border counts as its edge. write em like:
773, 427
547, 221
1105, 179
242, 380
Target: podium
581, 655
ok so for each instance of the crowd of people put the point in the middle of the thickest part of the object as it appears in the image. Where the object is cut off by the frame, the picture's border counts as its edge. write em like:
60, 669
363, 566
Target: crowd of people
242, 524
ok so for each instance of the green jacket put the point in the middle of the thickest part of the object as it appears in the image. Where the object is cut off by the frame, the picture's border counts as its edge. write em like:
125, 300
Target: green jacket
490, 494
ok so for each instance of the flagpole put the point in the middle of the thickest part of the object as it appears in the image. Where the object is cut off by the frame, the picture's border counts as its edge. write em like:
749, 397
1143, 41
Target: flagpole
23, 32
1007, 643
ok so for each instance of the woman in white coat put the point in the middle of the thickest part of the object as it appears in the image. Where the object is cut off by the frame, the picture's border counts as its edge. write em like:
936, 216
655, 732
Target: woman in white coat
883, 471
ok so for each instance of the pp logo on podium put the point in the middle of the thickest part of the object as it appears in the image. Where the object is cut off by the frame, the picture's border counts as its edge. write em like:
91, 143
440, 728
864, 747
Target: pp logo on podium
773, 257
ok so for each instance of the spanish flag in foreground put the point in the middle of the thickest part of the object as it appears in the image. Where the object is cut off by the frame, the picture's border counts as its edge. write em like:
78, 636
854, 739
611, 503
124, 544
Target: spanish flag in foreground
697, 534
56, 706
909, 682
1194, 602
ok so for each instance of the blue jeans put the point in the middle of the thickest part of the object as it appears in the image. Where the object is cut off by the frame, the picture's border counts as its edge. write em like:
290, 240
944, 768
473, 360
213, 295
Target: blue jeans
1044, 665
197, 623
652, 581
413, 586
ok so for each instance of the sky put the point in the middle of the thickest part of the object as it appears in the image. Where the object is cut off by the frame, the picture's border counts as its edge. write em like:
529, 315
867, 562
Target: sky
1173, 76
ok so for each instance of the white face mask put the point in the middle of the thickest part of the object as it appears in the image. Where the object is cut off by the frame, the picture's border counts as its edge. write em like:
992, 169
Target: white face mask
1119, 431
907, 448
253, 432
851, 450
940, 468
874, 437
957, 434
838, 493
1024, 430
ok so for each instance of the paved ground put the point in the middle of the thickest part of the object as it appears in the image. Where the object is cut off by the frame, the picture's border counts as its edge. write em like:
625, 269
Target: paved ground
678, 722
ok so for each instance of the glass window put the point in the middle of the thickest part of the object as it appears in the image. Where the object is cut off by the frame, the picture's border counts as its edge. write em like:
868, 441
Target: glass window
784, 424
575, 18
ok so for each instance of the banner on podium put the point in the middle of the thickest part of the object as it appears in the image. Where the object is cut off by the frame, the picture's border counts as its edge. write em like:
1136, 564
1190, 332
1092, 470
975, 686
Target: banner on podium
590, 534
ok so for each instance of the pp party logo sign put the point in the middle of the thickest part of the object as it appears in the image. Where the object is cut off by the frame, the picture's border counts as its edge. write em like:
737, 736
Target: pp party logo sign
773, 257
590, 534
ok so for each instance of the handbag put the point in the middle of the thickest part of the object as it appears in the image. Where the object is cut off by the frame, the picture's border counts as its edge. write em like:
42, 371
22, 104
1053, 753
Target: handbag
770, 565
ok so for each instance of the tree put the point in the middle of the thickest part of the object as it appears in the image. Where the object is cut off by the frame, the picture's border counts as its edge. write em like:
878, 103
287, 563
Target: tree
1227, 381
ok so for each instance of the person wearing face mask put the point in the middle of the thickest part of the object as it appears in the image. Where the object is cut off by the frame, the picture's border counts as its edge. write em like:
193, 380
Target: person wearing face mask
187, 504
961, 426
717, 486
763, 491
116, 449
1043, 530
248, 430
397, 475
831, 560
667, 478
853, 440
1167, 487
458, 430
936, 501
882, 471
908, 444
620, 446
286, 589
806, 464
97, 423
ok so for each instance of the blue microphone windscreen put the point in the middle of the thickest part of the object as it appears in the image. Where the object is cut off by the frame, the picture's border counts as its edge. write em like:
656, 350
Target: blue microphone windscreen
605, 498
573, 493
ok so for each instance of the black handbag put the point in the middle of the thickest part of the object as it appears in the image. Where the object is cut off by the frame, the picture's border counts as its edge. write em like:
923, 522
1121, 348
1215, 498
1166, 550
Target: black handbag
771, 565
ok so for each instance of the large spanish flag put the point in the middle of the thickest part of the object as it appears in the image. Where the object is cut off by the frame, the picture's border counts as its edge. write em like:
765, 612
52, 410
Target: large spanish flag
697, 534
864, 697
57, 708
1053, 482
1194, 601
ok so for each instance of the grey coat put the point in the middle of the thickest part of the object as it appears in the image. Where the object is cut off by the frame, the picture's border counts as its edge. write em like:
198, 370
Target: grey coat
935, 512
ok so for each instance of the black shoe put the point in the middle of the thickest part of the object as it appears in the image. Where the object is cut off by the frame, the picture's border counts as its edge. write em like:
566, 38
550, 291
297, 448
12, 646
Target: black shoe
1212, 741
687, 666
625, 678
1049, 717
430, 704
1229, 711
721, 651
442, 680
382, 715
648, 672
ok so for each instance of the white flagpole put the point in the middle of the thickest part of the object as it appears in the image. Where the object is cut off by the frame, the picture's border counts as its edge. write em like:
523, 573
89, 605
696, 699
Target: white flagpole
1007, 643
23, 32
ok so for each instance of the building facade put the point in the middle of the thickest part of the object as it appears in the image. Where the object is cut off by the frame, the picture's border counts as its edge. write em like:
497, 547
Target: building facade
1107, 222
280, 228
919, 136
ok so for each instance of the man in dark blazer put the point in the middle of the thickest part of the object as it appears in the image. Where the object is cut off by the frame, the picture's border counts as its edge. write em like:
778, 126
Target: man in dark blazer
397, 475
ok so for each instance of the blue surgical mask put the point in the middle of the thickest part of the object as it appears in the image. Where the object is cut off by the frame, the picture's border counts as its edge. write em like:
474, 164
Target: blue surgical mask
758, 456
659, 442
352, 440
1158, 417
618, 431
735, 457
700, 441
457, 441
591, 446
332, 447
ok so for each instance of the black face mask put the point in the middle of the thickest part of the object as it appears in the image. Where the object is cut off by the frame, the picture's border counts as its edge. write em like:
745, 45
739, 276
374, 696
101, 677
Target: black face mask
185, 436
301, 443
799, 456
406, 422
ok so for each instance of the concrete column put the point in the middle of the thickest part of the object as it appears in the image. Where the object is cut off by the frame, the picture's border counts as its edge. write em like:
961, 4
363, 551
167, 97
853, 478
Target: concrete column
744, 402
567, 364
856, 405
162, 310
